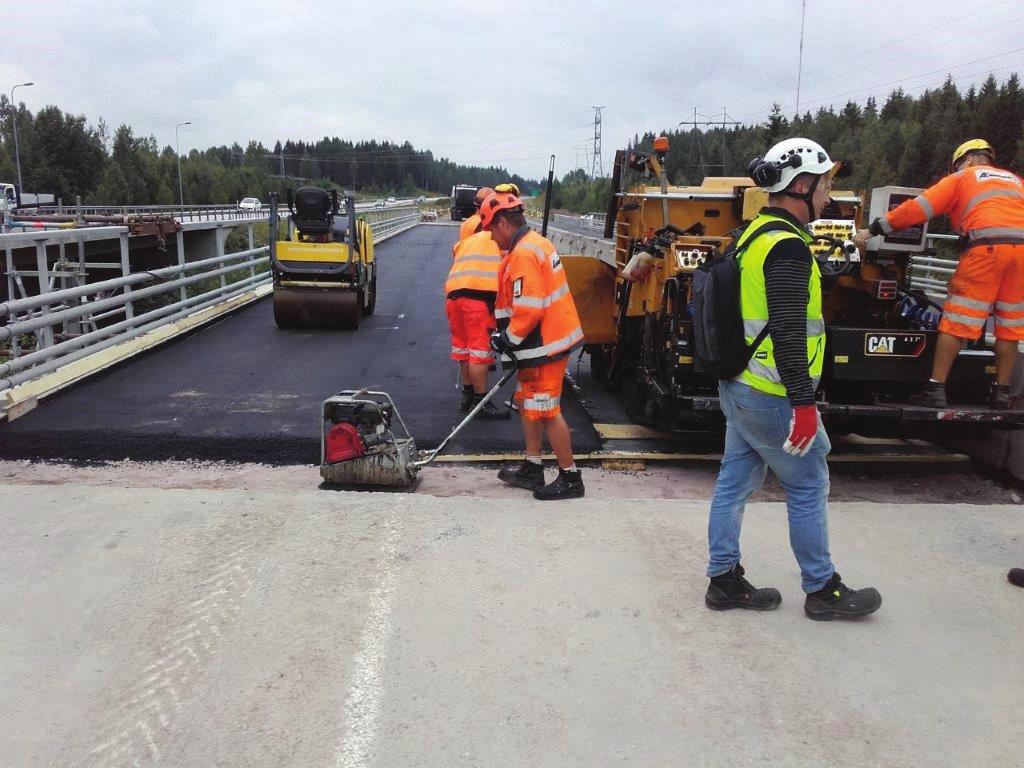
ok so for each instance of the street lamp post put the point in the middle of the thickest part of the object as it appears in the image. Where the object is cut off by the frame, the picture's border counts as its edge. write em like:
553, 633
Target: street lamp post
177, 147
14, 120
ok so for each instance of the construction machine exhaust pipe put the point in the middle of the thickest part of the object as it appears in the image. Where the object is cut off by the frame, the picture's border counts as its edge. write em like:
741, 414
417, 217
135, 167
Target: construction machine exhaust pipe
547, 198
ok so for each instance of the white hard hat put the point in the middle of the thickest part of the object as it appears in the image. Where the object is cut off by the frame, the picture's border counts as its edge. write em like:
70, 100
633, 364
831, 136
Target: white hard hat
787, 160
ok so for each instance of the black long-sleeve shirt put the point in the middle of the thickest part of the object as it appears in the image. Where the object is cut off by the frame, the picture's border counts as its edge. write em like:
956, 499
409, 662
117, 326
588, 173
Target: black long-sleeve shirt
787, 273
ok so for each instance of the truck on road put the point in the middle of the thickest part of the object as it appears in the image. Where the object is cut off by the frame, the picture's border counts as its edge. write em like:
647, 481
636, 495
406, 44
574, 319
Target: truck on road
463, 201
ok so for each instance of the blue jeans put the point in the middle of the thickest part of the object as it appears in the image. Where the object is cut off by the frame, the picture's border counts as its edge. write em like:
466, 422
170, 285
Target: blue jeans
757, 424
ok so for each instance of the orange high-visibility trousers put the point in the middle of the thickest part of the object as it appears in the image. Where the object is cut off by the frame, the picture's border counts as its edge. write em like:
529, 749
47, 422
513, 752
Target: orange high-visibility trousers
539, 390
988, 280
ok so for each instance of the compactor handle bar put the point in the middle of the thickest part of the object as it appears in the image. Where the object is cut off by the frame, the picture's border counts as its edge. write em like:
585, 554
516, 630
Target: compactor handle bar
469, 417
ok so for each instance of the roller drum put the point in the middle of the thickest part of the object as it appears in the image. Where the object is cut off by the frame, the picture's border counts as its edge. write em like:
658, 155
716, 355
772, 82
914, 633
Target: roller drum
316, 308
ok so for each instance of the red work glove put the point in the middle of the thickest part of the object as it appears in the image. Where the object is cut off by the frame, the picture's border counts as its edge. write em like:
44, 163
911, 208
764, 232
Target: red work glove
803, 428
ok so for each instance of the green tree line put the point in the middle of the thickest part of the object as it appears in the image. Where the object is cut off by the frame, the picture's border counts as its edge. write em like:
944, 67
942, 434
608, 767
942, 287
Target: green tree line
908, 141
65, 155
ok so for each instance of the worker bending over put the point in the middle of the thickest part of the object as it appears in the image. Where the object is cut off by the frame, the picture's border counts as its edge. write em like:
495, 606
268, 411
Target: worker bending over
538, 325
770, 412
986, 205
472, 225
471, 290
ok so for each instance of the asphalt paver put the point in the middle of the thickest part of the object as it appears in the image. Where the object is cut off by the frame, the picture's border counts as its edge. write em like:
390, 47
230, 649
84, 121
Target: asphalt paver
243, 390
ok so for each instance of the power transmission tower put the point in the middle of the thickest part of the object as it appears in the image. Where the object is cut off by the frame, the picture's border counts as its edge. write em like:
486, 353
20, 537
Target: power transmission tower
597, 169
700, 166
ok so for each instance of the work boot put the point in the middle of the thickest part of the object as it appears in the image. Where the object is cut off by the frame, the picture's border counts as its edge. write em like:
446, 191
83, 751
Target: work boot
932, 396
490, 411
1016, 577
468, 395
568, 485
837, 601
999, 397
526, 475
730, 590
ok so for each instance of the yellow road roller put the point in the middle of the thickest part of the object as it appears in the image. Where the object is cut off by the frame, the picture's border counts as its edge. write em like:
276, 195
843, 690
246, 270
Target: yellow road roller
324, 273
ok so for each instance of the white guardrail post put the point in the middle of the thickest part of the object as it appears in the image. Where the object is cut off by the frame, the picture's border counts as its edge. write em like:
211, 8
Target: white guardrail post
106, 311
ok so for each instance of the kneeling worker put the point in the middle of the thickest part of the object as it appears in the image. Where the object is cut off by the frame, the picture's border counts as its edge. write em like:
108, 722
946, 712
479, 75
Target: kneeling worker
770, 412
471, 225
538, 325
470, 291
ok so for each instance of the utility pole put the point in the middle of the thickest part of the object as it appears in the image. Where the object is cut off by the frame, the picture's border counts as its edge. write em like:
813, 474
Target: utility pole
597, 169
14, 120
177, 147
800, 64
282, 160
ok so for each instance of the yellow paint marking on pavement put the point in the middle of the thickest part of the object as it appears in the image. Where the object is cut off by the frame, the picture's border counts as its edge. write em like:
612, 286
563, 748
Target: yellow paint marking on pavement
630, 432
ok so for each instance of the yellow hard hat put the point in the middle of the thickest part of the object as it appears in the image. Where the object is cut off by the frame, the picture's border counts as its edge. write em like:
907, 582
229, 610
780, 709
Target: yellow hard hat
974, 145
508, 186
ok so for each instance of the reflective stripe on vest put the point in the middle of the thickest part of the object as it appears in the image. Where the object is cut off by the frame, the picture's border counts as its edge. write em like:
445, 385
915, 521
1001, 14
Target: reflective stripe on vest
761, 372
476, 265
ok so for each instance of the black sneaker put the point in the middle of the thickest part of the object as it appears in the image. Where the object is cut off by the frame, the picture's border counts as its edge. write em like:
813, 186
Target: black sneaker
837, 601
999, 397
731, 590
932, 396
526, 475
468, 398
568, 485
490, 411
1016, 577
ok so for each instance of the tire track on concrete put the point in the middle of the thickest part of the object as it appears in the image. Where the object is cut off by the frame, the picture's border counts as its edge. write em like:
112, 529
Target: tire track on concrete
158, 698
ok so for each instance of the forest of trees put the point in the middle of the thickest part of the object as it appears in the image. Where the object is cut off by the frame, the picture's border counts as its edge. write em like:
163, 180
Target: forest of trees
908, 141
64, 155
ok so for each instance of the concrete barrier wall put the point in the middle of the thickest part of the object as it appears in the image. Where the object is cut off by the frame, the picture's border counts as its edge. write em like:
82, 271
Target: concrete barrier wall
573, 242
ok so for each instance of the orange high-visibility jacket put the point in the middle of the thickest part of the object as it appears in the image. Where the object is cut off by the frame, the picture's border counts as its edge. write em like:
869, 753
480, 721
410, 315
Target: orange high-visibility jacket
534, 306
983, 202
469, 226
475, 269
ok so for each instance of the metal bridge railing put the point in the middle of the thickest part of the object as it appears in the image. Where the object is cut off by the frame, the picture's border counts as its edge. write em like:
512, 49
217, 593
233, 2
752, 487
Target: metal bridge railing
931, 274
591, 222
68, 318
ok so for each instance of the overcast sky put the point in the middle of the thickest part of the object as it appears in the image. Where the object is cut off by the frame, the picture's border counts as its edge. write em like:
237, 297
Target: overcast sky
484, 83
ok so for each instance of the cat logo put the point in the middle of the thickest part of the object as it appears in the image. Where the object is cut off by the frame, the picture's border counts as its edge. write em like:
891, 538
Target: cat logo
881, 345
901, 345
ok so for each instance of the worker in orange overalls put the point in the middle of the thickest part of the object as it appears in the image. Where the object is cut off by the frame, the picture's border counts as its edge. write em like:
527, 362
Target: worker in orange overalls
472, 225
470, 291
539, 326
986, 205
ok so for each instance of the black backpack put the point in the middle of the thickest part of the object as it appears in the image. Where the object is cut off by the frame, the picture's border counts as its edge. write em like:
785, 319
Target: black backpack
720, 346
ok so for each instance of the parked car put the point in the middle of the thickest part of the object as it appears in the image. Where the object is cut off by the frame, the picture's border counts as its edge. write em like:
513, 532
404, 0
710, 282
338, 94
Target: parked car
250, 204
391, 200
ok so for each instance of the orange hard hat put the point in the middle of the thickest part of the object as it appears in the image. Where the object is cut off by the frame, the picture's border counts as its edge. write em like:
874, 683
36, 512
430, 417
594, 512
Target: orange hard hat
482, 194
498, 201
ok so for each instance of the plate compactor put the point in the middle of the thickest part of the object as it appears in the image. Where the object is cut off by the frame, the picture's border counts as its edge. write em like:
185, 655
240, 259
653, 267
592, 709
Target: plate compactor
365, 443
324, 273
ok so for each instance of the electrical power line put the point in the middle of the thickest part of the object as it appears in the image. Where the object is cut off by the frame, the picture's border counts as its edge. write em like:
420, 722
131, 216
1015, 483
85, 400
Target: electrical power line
902, 80
736, 99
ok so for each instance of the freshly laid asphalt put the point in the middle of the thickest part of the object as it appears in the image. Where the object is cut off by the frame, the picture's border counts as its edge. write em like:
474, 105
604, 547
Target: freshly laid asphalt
243, 390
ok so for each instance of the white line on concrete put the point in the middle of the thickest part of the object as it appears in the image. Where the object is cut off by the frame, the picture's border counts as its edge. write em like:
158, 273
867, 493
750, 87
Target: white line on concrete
362, 704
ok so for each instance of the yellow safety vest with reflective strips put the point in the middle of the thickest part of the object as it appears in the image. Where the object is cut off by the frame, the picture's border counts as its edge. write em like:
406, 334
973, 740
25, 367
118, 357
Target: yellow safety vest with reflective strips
761, 373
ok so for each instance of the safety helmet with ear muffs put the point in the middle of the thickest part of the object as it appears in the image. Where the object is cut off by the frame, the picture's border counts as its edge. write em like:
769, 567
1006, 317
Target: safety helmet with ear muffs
788, 159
